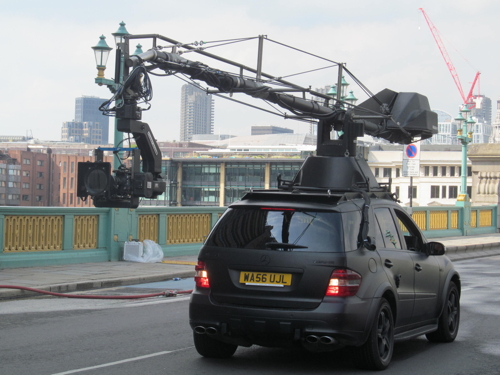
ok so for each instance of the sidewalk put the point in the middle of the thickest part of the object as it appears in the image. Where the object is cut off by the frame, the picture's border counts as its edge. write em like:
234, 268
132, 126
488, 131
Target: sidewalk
85, 276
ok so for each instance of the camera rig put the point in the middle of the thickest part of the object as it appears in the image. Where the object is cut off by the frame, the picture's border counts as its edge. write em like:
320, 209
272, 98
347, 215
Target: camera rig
396, 117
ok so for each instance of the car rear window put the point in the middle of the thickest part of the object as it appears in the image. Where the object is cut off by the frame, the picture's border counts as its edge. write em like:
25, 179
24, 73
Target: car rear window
278, 229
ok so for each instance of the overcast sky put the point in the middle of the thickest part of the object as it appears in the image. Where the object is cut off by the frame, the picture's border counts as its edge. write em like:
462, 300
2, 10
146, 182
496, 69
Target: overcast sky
47, 61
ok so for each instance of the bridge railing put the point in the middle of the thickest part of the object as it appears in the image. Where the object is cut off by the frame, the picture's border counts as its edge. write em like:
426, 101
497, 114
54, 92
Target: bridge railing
448, 221
35, 236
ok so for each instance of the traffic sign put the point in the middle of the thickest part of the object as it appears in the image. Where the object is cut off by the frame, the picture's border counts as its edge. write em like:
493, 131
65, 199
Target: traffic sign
411, 160
411, 151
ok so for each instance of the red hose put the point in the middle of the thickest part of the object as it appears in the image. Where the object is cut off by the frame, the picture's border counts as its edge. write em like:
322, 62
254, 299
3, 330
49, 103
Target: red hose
169, 293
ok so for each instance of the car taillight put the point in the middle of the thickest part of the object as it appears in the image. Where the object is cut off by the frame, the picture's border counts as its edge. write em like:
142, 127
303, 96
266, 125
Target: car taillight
201, 278
343, 283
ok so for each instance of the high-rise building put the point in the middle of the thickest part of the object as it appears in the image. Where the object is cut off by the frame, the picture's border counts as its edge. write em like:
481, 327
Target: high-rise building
481, 114
495, 137
197, 112
482, 111
87, 111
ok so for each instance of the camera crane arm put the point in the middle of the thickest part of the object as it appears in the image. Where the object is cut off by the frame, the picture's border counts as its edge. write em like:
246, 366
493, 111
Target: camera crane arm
396, 117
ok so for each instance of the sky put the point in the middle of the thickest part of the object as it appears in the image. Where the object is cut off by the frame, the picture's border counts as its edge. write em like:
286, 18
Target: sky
48, 60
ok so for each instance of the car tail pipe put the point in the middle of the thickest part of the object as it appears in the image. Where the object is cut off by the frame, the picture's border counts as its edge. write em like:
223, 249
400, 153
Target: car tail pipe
201, 330
323, 340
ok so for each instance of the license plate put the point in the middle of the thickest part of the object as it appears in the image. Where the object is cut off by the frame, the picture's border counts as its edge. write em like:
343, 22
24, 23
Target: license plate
265, 278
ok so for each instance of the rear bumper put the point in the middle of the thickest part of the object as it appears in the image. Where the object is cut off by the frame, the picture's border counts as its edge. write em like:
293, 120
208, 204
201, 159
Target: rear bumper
345, 320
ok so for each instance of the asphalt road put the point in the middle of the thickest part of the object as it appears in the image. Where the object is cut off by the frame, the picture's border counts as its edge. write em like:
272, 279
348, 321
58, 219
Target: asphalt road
68, 336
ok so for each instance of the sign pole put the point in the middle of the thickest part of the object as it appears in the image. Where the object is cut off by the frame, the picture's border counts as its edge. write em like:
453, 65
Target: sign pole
411, 191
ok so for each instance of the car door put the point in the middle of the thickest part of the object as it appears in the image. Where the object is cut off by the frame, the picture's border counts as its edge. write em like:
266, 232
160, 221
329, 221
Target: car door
397, 263
427, 270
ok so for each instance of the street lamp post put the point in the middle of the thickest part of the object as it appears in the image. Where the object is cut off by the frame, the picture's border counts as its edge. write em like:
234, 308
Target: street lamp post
464, 135
102, 51
333, 93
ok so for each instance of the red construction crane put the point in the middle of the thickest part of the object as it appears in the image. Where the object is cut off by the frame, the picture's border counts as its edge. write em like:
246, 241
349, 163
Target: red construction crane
435, 33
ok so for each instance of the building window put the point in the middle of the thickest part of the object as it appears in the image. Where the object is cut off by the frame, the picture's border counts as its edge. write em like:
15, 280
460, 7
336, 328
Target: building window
26, 185
435, 171
71, 183
64, 182
64, 198
26, 197
39, 198
72, 167
64, 167
71, 198
452, 171
443, 171
26, 161
26, 173
443, 191
469, 191
39, 186
452, 191
398, 172
397, 191
39, 174
285, 169
387, 172
412, 193
377, 172
434, 191
426, 171
39, 163
469, 171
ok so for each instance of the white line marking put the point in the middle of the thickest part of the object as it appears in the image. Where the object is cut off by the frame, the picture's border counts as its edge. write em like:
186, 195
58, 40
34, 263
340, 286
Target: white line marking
120, 362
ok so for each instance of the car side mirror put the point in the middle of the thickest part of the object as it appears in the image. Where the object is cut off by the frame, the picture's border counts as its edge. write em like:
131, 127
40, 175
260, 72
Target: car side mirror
435, 248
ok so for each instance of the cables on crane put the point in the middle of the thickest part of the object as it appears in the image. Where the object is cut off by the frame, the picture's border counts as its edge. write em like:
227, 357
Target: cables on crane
137, 86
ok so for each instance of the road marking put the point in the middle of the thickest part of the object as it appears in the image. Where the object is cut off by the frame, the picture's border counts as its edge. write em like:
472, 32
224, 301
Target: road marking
122, 361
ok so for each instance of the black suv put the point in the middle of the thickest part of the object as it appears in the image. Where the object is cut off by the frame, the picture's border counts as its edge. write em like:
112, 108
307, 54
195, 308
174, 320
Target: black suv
322, 269
328, 259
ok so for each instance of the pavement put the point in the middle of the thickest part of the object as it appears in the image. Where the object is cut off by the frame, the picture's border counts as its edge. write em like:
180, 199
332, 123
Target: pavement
86, 276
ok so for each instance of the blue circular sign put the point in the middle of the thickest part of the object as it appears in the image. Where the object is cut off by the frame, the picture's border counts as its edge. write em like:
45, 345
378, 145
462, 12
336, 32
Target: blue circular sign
411, 151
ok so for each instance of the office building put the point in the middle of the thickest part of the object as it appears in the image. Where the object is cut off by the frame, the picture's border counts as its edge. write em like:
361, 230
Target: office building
87, 111
197, 113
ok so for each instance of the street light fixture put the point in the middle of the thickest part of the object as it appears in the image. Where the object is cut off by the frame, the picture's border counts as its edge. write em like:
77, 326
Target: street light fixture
101, 52
138, 50
120, 34
351, 99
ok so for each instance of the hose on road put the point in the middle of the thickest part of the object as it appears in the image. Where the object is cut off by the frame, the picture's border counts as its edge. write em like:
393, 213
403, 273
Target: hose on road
168, 293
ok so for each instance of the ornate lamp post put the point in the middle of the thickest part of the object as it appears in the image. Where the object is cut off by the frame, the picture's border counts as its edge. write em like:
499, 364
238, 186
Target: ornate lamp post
464, 135
101, 51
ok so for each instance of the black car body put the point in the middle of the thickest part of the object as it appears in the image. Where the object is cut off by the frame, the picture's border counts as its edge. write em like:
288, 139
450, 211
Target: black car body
328, 259
323, 270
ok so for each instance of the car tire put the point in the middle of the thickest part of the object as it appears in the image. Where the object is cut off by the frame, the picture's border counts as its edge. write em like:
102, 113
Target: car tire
376, 352
449, 321
212, 348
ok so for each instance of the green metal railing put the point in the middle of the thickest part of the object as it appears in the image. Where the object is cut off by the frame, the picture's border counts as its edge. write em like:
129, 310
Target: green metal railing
47, 236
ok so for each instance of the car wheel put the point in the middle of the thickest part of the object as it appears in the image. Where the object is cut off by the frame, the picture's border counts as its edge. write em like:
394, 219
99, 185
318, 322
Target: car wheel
212, 348
449, 320
376, 352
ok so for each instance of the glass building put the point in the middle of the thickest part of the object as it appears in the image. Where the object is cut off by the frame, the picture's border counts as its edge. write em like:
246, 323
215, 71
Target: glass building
87, 111
220, 182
